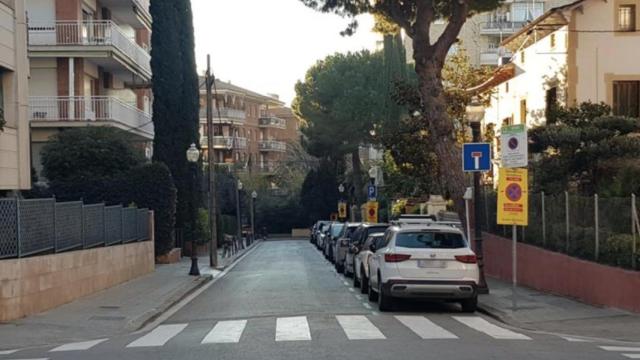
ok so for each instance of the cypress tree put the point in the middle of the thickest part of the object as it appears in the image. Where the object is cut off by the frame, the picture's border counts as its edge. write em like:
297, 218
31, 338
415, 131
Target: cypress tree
175, 105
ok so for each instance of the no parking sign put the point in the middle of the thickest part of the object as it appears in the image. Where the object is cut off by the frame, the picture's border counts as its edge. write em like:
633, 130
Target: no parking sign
513, 195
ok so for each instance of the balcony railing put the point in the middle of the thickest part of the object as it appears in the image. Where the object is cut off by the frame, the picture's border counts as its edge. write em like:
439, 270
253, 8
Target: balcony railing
143, 4
272, 145
88, 33
86, 109
272, 121
226, 115
504, 27
226, 142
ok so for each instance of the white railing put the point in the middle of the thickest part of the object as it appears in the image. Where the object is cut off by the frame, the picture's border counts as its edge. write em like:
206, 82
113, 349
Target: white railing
272, 145
88, 33
143, 4
272, 121
502, 26
225, 113
90, 108
226, 142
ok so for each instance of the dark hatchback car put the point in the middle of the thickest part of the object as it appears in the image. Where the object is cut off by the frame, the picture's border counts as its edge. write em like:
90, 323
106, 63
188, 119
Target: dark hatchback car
357, 239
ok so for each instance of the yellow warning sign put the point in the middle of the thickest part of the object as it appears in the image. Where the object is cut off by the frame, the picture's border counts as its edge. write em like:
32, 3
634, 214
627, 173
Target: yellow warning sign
342, 210
372, 212
513, 197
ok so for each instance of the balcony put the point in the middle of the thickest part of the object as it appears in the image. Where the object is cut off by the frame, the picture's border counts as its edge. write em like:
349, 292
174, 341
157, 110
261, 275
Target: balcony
227, 116
272, 145
505, 28
272, 121
77, 111
101, 40
134, 12
267, 167
225, 142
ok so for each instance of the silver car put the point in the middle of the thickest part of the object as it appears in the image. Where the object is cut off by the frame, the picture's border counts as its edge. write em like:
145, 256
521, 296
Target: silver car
358, 237
361, 266
341, 246
332, 235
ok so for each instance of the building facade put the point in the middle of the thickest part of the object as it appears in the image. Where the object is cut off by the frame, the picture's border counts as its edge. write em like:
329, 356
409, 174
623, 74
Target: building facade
251, 130
89, 66
15, 171
482, 33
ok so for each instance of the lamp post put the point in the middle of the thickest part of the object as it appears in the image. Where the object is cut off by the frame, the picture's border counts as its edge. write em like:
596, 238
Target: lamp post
239, 219
193, 155
254, 196
475, 116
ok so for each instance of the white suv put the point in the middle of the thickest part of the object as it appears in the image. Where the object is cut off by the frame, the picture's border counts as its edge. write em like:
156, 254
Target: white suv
428, 261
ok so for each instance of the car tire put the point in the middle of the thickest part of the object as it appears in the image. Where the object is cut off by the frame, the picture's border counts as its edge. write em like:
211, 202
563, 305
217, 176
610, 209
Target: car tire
385, 302
371, 294
339, 268
364, 283
356, 282
469, 305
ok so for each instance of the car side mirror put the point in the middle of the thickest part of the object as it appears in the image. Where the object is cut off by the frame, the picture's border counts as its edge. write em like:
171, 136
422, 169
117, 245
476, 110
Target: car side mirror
354, 249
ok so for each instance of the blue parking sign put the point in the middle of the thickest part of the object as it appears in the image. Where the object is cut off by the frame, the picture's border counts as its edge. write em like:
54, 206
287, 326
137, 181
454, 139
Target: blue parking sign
476, 157
372, 192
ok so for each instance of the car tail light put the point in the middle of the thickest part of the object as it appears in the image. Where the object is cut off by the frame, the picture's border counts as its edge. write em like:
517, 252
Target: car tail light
467, 259
396, 257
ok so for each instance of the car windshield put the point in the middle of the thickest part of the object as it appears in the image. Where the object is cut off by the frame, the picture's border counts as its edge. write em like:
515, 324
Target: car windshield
336, 229
376, 229
430, 240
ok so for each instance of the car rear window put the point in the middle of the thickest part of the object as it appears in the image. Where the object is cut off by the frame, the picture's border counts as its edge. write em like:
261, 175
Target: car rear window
376, 229
430, 240
336, 229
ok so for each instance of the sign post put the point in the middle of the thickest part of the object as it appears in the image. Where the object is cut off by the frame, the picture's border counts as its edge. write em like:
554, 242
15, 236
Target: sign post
372, 192
476, 157
342, 210
372, 212
514, 152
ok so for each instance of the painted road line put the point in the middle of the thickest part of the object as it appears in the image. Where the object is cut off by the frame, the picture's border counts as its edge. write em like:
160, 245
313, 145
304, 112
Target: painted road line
345, 283
159, 336
358, 327
79, 346
225, 332
483, 326
351, 289
425, 328
292, 329
8, 352
632, 356
367, 306
573, 339
620, 348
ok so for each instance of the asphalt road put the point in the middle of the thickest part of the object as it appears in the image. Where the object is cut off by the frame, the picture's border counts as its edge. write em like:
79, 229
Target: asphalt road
285, 301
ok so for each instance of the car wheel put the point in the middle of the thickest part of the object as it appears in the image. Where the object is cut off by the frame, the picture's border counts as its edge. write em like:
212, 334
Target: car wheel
340, 268
385, 302
364, 283
347, 273
356, 282
469, 305
371, 294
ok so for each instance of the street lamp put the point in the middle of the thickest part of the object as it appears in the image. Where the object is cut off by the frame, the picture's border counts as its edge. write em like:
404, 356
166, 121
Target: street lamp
341, 189
239, 220
254, 196
193, 155
475, 116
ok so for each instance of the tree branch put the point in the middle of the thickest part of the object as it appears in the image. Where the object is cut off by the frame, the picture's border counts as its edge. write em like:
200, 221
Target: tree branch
458, 17
400, 14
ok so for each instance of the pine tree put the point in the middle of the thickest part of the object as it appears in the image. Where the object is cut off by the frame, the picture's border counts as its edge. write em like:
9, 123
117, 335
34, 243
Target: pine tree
175, 105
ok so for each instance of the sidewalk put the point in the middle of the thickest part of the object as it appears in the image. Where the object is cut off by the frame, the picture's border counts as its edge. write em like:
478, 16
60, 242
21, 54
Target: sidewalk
545, 312
117, 310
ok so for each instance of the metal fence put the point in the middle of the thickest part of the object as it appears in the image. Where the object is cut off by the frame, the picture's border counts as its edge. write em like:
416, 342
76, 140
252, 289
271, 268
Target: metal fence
593, 228
35, 226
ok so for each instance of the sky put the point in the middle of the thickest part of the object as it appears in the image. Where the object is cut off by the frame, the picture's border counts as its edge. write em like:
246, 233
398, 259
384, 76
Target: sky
268, 45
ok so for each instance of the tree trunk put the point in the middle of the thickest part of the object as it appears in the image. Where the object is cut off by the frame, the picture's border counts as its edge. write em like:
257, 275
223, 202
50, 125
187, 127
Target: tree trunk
441, 131
357, 176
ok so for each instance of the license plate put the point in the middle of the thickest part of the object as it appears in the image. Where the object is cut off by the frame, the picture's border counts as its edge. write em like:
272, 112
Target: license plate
437, 264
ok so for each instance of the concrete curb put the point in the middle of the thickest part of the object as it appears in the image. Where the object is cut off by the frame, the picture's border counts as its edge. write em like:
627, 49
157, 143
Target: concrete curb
152, 314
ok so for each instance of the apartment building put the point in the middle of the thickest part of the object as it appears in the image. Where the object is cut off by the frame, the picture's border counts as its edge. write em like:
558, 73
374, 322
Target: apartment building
15, 171
251, 130
482, 33
89, 66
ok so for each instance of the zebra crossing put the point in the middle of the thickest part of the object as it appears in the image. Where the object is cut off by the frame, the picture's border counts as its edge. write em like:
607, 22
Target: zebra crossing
299, 328
629, 352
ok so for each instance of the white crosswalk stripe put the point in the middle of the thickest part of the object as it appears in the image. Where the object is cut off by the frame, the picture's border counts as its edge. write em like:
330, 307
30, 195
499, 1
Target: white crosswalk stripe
632, 356
620, 348
225, 332
292, 329
483, 326
159, 336
358, 327
78, 346
425, 328
8, 352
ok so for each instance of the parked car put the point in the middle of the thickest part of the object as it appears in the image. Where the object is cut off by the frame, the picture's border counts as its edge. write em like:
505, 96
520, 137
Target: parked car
332, 235
361, 262
321, 234
431, 261
341, 245
358, 238
315, 231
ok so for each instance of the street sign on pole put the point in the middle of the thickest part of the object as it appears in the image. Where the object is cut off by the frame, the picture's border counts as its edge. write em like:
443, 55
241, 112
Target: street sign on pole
476, 157
342, 210
513, 196
372, 212
514, 152
372, 192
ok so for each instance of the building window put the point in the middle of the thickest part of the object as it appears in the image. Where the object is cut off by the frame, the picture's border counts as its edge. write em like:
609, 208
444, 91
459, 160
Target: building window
551, 101
626, 98
522, 56
552, 40
523, 111
506, 87
627, 18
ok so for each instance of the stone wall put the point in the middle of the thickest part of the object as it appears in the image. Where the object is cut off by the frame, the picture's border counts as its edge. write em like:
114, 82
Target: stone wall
32, 285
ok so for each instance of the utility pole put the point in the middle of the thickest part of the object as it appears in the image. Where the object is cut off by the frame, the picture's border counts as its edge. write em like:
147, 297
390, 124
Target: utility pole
213, 245
477, 214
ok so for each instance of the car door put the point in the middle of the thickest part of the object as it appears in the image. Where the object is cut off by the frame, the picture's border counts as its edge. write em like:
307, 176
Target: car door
364, 255
376, 259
